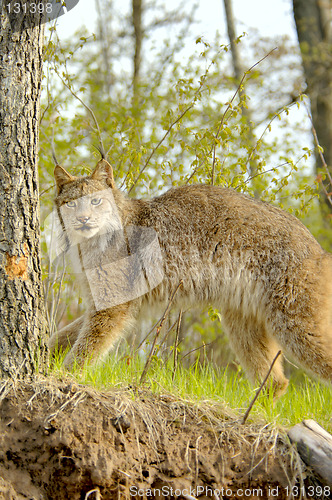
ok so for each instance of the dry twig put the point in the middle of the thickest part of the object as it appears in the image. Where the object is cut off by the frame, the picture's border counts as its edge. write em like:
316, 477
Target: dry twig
148, 361
260, 389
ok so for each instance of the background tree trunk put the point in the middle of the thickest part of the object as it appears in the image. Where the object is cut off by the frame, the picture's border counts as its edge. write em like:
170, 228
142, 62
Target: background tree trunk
105, 43
138, 37
238, 75
313, 24
22, 318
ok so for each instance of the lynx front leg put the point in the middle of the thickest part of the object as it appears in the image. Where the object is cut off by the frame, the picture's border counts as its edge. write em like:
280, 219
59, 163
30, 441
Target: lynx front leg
66, 337
98, 333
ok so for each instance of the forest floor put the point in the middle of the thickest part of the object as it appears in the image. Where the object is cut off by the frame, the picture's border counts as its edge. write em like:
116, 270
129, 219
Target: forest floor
61, 440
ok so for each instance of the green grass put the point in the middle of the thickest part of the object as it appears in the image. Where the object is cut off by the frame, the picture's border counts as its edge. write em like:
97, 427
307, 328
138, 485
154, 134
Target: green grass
303, 400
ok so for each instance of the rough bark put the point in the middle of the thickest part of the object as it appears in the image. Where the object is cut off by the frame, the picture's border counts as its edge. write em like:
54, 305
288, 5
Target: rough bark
313, 24
22, 319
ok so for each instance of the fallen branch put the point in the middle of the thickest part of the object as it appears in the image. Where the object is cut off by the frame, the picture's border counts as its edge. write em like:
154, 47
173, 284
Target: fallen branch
314, 445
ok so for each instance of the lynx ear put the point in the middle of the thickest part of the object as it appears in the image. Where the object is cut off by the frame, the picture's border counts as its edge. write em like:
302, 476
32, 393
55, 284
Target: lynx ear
62, 177
104, 172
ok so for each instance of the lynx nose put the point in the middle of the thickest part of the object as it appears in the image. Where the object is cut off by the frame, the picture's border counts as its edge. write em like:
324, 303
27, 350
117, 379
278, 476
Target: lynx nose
83, 219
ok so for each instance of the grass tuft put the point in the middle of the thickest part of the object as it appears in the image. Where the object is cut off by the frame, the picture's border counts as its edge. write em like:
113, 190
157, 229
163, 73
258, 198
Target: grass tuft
203, 382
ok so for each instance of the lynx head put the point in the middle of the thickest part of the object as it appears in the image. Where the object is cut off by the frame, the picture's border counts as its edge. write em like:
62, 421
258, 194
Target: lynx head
86, 205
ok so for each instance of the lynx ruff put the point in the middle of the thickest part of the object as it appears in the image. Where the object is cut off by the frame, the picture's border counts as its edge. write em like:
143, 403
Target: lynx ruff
257, 264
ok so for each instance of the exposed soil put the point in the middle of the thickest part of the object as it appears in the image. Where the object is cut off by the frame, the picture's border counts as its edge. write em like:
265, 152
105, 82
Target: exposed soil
60, 440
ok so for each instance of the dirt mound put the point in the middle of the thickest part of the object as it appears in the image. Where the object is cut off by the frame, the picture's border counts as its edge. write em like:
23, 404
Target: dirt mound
60, 440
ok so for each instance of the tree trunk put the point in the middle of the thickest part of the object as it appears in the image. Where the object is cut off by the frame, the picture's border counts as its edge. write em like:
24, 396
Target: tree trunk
105, 45
138, 36
22, 318
313, 24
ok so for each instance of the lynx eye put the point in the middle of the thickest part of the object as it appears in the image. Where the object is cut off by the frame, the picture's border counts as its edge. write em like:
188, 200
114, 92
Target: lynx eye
71, 204
96, 201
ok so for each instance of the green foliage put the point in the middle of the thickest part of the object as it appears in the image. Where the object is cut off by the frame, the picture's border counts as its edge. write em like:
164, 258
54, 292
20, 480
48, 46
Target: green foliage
184, 124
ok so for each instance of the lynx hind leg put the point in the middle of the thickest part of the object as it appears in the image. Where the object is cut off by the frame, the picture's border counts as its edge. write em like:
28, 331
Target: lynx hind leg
255, 350
306, 334
98, 333
310, 343
312, 350
66, 337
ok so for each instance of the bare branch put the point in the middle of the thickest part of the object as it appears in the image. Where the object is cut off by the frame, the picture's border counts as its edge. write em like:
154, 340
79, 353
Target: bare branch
101, 145
148, 361
213, 148
260, 389
159, 144
176, 344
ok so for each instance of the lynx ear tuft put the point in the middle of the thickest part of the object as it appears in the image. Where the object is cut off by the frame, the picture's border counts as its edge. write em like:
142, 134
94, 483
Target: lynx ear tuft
104, 172
62, 177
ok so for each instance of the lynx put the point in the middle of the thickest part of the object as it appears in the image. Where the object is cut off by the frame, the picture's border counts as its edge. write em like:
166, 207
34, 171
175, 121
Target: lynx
259, 265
